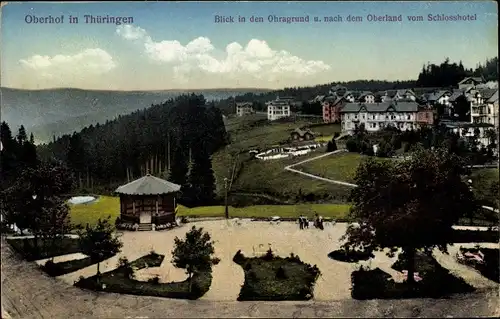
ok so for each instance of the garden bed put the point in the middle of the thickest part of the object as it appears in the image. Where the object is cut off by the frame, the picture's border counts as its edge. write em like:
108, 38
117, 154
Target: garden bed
63, 246
66, 267
436, 281
118, 281
351, 256
490, 268
275, 278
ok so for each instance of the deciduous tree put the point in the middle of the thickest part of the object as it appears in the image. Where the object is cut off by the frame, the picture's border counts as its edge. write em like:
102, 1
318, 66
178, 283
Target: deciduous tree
194, 253
412, 204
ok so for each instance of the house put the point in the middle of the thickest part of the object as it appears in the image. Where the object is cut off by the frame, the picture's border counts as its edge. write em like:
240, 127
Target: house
438, 97
244, 108
425, 116
470, 81
468, 130
302, 135
376, 116
279, 108
331, 108
406, 94
366, 97
493, 110
482, 112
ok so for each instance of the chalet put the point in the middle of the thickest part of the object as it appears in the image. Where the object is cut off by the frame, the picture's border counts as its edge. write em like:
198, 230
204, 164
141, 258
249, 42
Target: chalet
244, 108
302, 135
279, 108
470, 81
376, 116
148, 200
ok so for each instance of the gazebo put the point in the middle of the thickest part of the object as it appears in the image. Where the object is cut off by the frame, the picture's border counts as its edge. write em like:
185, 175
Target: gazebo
148, 200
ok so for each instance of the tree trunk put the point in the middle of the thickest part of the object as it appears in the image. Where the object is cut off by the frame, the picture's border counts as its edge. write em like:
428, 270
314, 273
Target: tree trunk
410, 254
190, 280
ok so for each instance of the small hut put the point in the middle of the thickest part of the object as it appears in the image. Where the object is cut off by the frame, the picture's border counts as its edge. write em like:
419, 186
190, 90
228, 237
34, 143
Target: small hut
148, 200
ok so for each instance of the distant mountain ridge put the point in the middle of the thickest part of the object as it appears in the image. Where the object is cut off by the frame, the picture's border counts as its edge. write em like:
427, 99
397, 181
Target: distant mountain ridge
58, 111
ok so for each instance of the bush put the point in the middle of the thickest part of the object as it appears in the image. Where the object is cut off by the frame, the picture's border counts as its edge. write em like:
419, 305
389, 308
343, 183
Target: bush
269, 255
280, 273
239, 258
350, 255
126, 267
215, 261
155, 280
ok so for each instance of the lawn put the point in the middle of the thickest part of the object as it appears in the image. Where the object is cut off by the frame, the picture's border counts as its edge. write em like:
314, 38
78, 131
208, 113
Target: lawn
340, 167
118, 281
275, 278
107, 205
271, 178
101, 208
485, 185
254, 176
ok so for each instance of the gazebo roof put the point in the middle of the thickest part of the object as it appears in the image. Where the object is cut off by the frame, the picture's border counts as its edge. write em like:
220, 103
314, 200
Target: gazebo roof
148, 185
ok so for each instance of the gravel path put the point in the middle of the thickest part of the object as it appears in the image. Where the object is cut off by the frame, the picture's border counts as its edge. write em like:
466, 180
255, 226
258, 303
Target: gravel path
470, 275
29, 293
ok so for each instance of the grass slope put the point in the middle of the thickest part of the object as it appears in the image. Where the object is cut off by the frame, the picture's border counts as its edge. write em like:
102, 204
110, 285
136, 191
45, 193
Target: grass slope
259, 177
340, 167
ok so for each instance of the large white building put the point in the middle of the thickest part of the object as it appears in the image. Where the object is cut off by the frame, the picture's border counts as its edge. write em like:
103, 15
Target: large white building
375, 116
278, 108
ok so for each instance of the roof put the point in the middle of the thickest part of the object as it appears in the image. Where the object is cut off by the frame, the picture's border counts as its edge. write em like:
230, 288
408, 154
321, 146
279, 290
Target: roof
493, 98
148, 185
381, 107
243, 104
475, 79
465, 124
455, 95
487, 93
436, 95
302, 132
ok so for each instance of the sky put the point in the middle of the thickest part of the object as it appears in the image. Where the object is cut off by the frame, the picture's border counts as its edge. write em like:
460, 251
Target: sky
179, 45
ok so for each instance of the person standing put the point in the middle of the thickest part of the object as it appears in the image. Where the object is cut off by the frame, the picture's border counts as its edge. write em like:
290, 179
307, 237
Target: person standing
301, 222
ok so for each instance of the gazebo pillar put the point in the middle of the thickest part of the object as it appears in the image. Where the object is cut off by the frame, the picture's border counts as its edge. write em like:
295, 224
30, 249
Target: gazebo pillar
156, 205
133, 206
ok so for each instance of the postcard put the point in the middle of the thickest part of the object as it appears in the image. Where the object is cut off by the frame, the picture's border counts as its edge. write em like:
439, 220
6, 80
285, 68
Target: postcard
339, 156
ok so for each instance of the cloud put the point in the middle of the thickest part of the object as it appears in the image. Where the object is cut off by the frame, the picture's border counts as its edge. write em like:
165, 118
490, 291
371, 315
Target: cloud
130, 32
93, 61
255, 59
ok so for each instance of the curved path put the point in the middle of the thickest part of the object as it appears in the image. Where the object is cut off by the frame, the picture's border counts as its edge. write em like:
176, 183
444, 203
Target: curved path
29, 293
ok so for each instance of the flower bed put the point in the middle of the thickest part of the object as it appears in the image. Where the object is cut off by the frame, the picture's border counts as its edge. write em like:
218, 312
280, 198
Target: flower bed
25, 247
436, 281
275, 278
120, 281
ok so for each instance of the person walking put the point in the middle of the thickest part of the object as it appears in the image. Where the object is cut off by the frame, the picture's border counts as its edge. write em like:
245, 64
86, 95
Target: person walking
301, 222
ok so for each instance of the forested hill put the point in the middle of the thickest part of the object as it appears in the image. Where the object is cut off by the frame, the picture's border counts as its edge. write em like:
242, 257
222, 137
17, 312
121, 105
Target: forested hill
148, 140
61, 111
